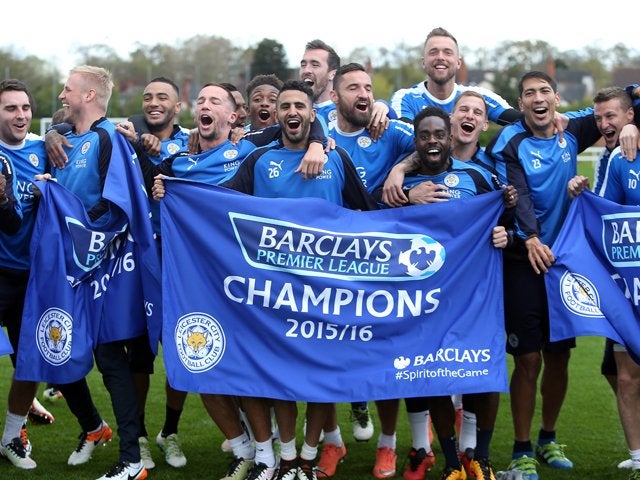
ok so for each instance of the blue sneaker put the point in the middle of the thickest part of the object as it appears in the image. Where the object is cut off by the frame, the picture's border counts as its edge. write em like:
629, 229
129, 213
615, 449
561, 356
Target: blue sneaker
552, 453
524, 467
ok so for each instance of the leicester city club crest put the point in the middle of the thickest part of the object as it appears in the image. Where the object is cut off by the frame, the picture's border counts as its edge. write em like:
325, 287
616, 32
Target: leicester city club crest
200, 341
54, 335
580, 295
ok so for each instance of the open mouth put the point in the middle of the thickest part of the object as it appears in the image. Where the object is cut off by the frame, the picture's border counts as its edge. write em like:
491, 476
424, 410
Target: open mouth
467, 127
206, 120
362, 106
540, 110
264, 115
433, 152
293, 123
609, 134
308, 81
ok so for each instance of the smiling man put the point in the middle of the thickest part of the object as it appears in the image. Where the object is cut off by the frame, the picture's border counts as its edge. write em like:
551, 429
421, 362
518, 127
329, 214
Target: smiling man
264, 174
441, 63
539, 163
436, 176
215, 116
352, 96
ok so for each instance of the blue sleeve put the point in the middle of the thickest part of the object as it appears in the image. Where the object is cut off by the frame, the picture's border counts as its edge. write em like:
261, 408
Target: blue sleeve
503, 148
579, 113
404, 105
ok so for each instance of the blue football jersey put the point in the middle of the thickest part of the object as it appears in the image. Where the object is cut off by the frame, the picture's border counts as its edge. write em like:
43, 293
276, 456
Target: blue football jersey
326, 111
212, 166
482, 162
373, 160
461, 180
270, 172
88, 162
600, 169
540, 169
621, 182
29, 159
408, 102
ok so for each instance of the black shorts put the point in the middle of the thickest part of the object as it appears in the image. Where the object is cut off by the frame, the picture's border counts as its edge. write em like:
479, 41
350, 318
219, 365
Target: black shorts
526, 311
13, 288
608, 366
140, 355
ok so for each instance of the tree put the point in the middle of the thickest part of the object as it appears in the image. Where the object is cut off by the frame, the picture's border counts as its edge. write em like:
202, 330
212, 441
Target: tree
42, 78
202, 59
401, 67
270, 57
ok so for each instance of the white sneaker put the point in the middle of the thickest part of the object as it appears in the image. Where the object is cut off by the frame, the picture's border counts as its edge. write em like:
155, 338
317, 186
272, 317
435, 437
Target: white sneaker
51, 394
362, 424
628, 463
88, 443
145, 453
238, 469
173, 454
126, 471
260, 471
39, 414
17, 454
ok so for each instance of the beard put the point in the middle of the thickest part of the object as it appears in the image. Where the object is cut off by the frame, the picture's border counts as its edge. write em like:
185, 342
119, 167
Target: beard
213, 135
296, 138
158, 125
437, 77
354, 116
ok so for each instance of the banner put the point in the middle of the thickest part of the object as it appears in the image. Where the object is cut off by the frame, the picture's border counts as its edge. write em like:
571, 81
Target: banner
300, 299
5, 345
593, 287
88, 280
136, 296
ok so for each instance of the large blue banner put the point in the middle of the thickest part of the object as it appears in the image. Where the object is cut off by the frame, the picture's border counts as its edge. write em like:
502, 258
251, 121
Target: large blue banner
90, 282
594, 285
301, 299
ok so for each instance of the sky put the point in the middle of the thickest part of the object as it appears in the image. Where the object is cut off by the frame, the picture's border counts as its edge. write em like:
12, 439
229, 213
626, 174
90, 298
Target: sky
56, 30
